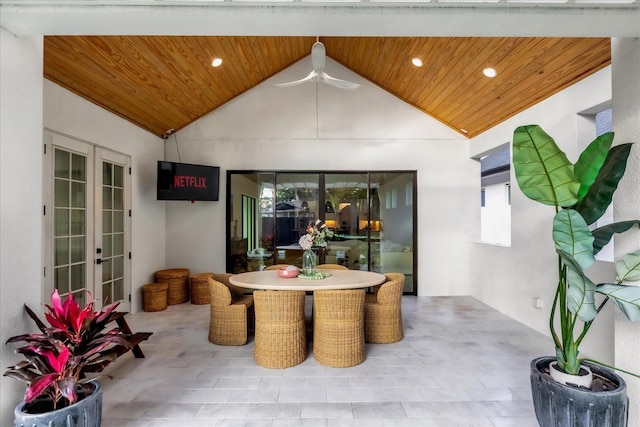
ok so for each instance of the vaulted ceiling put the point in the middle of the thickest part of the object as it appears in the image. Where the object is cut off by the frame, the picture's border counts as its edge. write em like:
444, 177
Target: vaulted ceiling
167, 82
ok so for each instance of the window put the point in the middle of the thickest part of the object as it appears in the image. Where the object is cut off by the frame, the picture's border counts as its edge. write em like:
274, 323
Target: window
495, 196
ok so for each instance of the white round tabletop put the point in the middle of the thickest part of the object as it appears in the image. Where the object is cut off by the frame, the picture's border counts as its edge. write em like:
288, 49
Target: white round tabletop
339, 279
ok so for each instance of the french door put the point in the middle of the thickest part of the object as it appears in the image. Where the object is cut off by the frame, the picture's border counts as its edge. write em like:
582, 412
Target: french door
86, 221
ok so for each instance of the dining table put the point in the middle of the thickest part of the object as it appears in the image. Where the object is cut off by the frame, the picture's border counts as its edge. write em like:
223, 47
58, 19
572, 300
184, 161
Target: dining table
351, 348
337, 279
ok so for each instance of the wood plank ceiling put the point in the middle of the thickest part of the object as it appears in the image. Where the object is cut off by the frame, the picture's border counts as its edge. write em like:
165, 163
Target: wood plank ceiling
164, 82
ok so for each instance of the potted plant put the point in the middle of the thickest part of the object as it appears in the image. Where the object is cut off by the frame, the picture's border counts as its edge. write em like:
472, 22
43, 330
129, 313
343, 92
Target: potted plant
580, 194
76, 342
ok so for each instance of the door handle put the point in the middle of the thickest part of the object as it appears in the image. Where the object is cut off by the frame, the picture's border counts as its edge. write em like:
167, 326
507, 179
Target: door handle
100, 261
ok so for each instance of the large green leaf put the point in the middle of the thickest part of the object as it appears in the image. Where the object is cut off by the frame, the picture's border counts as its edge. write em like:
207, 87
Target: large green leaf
603, 234
627, 298
580, 290
591, 160
600, 193
571, 234
628, 268
542, 170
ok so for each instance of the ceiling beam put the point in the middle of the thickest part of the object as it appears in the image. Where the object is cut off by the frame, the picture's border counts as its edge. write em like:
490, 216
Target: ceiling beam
295, 18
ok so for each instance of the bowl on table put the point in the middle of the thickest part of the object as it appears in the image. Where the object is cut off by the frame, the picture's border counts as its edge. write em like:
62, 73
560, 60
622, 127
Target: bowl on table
288, 272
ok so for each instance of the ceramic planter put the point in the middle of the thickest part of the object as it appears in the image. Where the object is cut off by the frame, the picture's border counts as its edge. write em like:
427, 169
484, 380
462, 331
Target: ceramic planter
559, 405
84, 413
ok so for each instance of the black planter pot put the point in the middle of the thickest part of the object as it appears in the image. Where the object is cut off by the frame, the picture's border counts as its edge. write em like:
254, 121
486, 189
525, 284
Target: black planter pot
84, 413
559, 405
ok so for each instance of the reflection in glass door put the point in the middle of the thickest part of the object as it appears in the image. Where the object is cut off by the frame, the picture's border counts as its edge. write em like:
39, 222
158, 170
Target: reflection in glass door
296, 208
345, 212
392, 226
70, 223
250, 220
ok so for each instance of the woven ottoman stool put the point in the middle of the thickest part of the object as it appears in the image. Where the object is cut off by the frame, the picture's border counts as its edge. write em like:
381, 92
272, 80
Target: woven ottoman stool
154, 296
200, 288
178, 281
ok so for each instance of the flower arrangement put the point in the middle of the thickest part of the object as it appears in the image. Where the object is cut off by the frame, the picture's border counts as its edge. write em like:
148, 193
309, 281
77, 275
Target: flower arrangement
315, 236
58, 358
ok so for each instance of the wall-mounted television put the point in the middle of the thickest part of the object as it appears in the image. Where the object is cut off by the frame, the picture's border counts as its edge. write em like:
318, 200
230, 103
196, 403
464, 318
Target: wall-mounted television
184, 181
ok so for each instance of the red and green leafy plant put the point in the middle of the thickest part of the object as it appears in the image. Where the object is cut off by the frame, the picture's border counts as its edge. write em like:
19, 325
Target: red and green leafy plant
58, 358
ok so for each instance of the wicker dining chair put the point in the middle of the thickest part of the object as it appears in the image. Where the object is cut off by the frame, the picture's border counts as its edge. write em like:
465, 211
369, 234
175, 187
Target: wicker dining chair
229, 315
383, 311
276, 266
338, 327
236, 291
332, 267
280, 338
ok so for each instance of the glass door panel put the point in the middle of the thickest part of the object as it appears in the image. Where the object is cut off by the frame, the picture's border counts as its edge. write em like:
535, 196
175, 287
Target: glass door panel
345, 211
251, 221
113, 228
112, 257
70, 223
391, 225
296, 207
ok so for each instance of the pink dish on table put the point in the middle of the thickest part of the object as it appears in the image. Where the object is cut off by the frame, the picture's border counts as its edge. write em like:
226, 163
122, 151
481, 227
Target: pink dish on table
288, 272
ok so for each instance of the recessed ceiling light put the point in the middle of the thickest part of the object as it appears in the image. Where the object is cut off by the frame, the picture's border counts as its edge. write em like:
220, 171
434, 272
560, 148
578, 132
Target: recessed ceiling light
464, 131
216, 62
489, 72
417, 62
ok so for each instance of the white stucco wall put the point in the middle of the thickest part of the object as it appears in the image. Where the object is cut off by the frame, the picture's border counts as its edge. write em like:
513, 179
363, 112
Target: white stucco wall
20, 201
271, 128
625, 55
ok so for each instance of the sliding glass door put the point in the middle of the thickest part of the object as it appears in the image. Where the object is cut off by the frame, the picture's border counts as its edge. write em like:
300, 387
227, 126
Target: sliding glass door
371, 213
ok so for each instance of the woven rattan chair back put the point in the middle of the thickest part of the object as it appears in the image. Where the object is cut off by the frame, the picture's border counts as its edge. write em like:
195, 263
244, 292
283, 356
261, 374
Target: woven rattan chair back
383, 311
280, 339
331, 267
276, 266
338, 327
229, 315
224, 278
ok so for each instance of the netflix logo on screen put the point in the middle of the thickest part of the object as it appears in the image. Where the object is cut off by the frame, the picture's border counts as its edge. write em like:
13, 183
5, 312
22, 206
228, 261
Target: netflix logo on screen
184, 181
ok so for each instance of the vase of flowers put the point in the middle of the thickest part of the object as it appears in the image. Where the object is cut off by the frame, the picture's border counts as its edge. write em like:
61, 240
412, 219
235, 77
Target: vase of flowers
308, 262
59, 393
315, 236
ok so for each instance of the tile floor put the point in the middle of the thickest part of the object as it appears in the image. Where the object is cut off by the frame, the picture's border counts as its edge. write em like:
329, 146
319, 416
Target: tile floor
461, 363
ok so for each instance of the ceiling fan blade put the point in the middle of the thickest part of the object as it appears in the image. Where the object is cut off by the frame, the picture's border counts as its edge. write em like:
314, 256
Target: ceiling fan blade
318, 56
310, 77
342, 84
318, 59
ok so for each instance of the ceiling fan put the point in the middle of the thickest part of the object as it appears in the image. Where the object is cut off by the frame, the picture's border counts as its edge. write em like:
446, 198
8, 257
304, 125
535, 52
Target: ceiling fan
318, 57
